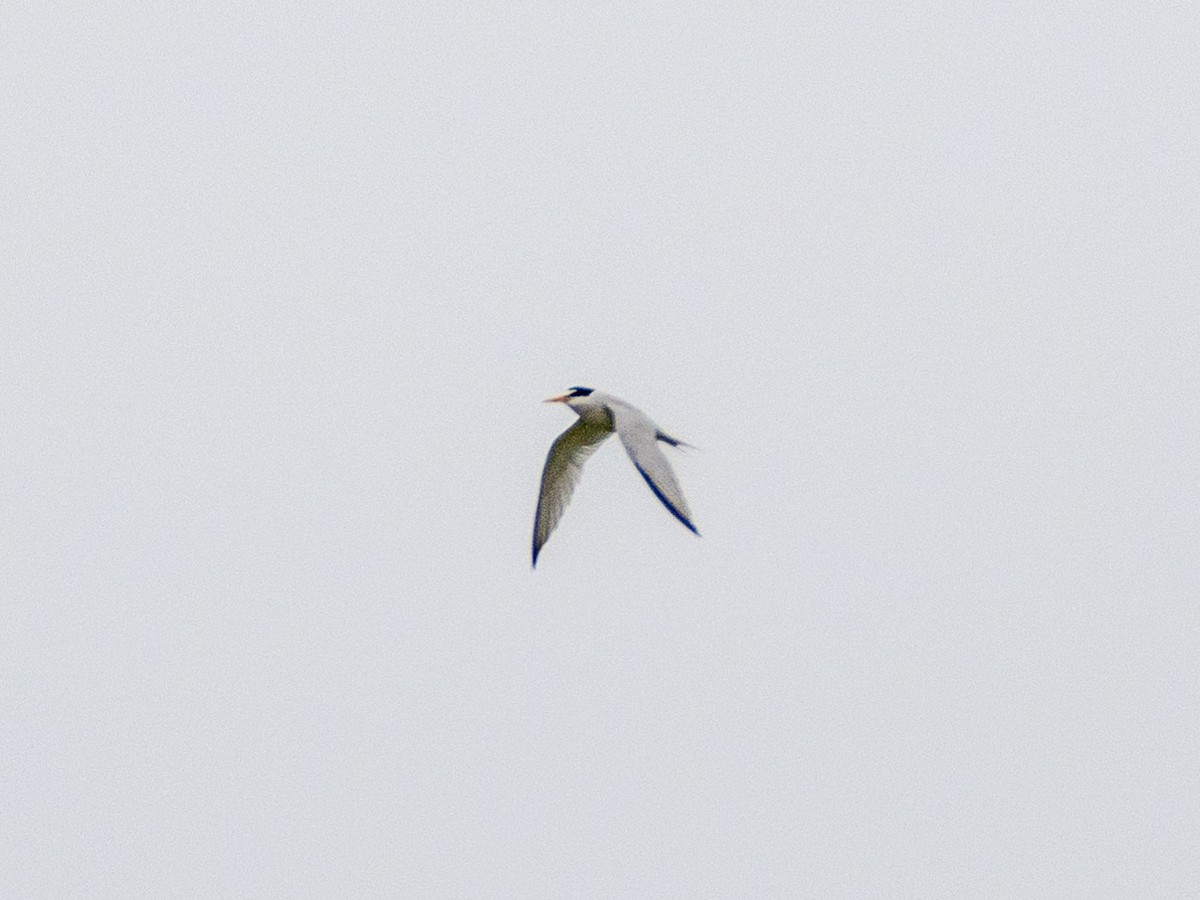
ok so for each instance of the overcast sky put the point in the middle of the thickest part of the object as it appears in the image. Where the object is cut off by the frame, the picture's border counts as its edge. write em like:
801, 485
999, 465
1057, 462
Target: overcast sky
283, 286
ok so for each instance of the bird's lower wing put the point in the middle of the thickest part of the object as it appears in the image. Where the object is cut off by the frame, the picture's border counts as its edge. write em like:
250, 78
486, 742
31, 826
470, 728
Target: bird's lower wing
564, 465
641, 443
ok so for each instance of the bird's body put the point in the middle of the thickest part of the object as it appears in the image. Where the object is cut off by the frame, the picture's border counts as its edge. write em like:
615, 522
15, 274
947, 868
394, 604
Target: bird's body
601, 415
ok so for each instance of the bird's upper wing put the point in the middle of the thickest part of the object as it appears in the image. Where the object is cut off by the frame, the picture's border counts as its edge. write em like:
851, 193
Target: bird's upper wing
640, 437
564, 464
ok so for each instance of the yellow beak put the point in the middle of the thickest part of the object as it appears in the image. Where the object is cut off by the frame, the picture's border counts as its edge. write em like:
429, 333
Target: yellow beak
561, 398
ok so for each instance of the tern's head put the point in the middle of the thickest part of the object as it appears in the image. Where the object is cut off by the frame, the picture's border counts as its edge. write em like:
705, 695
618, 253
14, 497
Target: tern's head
574, 398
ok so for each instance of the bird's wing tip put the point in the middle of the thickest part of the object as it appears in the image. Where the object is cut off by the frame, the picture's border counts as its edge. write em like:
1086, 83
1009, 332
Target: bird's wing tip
671, 508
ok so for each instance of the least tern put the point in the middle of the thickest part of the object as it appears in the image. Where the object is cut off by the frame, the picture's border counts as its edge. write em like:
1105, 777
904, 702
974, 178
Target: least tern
599, 416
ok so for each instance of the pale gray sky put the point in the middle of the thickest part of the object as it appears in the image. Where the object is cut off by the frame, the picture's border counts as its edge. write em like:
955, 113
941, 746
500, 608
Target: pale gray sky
284, 287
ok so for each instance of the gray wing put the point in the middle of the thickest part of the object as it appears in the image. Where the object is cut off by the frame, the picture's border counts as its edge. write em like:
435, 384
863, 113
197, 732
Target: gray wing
640, 437
564, 465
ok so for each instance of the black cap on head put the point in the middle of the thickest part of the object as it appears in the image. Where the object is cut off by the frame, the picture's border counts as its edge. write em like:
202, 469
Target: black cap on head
579, 392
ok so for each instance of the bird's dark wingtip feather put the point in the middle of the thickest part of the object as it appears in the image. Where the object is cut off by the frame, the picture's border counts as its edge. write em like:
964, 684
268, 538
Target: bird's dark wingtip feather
537, 517
665, 502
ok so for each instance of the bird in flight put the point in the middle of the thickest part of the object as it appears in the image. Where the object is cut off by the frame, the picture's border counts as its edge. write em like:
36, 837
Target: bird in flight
599, 416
